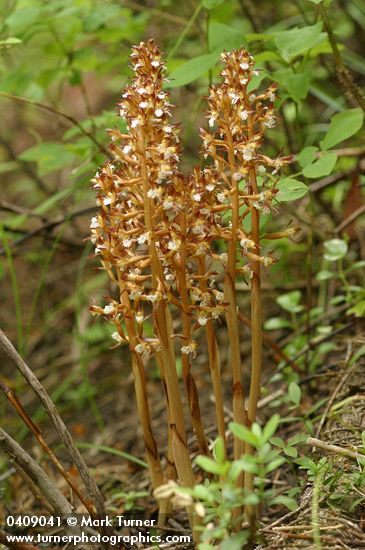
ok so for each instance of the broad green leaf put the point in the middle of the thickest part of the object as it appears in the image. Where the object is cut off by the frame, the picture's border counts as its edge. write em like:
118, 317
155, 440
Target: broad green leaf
322, 167
193, 69
358, 309
343, 125
20, 19
294, 393
291, 189
296, 84
49, 156
335, 249
245, 464
224, 36
307, 155
298, 40
270, 427
290, 301
210, 4
274, 464
276, 323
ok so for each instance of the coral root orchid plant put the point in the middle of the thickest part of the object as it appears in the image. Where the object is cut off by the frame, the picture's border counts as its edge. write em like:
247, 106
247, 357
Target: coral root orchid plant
158, 231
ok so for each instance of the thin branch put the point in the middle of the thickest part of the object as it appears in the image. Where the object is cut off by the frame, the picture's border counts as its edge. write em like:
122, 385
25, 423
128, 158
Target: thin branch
345, 78
54, 111
14, 451
63, 433
355, 455
39, 437
351, 218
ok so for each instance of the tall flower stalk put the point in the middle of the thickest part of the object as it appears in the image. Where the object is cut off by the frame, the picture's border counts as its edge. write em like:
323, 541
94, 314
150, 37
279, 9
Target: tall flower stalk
158, 232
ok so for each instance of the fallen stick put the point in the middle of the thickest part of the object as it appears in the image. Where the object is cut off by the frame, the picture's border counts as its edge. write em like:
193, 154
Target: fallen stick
335, 449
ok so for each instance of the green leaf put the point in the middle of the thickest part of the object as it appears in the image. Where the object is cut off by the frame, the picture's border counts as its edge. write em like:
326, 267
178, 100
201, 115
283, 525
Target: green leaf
290, 301
270, 427
297, 40
324, 275
291, 451
290, 503
219, 450
208, 465
297, 84
49, 156
244, 434
322, 167
274, 464
343, 125
222, 36
291, 189
294, 393
193, 69
245, 464
210, 4
307, 156
335, 249
276, 323
8, 42
233, 542
22, 18
358, 309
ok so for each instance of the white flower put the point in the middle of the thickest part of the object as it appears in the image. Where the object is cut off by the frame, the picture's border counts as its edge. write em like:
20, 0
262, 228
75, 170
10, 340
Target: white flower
127, 149
219, 295
173, 245
221, 197
237, 176
243, 81
272, 97
155, 63
117, 337
142, 347
167, 204
121, 112
167, 129
143, 104
152, 298
142, 238
141, 90
127, 243
234, 97
244, 66
255, 73
270, 122
252, 97
262, 169
158, 112
197, 197
210, 187
190, 348
212, 121
139, 317
109, 309
94, 223
202, 321
267, 261
247, 153
244, 115
247, 243
134, 123
152, 193
161, 95
107, 201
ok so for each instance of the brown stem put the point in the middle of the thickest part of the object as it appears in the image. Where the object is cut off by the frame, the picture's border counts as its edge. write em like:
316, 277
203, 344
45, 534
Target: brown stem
189, 381
239, 413
214, 363
152, 457
163, 326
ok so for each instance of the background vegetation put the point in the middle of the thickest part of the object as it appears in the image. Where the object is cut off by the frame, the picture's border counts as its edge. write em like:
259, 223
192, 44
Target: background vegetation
63, 64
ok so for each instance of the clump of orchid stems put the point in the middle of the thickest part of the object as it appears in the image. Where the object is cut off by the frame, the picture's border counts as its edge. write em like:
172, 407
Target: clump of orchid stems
157, 231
